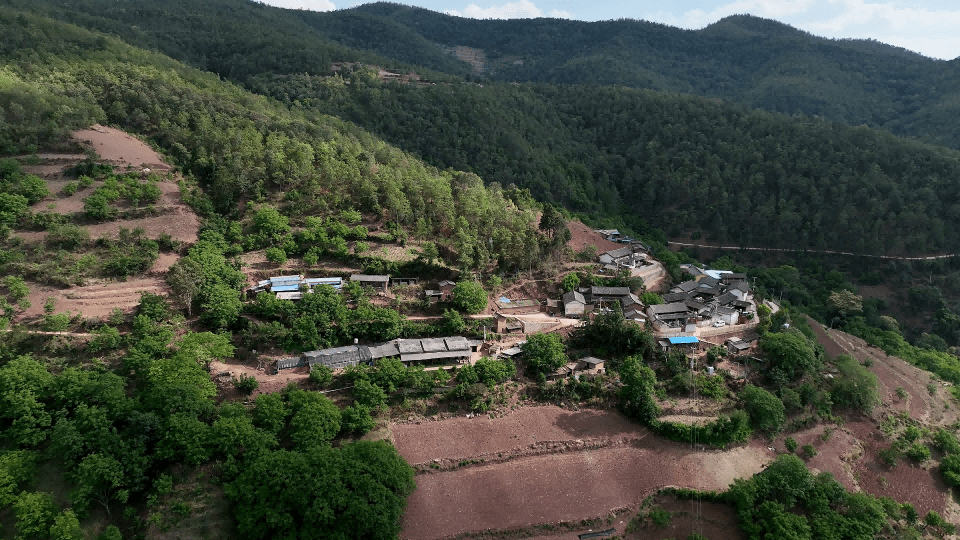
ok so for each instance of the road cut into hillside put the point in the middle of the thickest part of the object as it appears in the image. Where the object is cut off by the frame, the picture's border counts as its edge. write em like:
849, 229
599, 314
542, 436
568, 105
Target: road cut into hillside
595, 462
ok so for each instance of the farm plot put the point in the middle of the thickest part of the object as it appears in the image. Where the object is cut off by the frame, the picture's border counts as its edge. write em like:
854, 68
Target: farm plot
529, 426
574, 483
94, 300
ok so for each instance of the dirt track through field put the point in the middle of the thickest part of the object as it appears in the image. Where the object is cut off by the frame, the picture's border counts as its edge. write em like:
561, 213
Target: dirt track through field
546, 464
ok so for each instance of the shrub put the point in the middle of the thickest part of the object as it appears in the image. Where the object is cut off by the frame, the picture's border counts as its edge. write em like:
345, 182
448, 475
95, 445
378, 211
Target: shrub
901, 393
105, 338
246, 384
321, 375
276, 255
950, 468
68, 237
766, 411
791, 444
946, 442
918, 452
809, 451
70, 188
660, 517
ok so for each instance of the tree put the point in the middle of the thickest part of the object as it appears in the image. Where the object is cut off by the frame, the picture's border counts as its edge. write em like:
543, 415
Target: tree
855, 386
356, 419
369, 395
544, 353
844, 302
950, 469
16, 469
276, 255
35, 515
246, 384
766, 411
791, 353
651, 298
358, 490
222, 307
315, 421
66, 526
570, 282
270, 413
321, 375
469, 297
637, 393
185, 278
452, 323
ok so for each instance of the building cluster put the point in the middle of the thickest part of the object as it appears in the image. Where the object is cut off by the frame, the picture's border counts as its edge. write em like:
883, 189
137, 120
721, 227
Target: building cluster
713, 298
455, 349
578, 303
294, 287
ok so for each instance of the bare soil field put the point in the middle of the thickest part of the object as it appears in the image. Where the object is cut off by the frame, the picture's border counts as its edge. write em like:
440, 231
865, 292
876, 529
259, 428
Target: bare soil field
835, 455
566, 487
119, 148
582, 236
169, 216
593, 463
479, 436
921, 486
94, 300
268, 383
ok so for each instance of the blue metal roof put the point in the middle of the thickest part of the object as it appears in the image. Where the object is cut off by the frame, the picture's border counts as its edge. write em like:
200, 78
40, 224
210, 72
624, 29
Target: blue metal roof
285, 288
683, 340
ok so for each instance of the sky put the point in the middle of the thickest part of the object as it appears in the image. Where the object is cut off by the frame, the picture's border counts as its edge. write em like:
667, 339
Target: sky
931, 27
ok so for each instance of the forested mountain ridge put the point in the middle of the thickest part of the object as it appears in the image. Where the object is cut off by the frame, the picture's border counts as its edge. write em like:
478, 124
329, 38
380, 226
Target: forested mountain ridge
759, 63
693, 167
241, 147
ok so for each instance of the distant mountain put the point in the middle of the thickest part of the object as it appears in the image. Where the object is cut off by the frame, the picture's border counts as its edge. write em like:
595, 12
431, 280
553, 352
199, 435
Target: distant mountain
759, 63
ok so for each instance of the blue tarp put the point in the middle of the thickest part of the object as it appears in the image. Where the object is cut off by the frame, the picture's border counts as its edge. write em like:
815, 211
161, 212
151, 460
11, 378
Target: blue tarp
683, 340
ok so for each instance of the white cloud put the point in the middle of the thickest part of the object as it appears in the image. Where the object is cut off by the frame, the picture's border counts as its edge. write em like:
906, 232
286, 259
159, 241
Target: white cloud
311, 5
931, 32
523, 9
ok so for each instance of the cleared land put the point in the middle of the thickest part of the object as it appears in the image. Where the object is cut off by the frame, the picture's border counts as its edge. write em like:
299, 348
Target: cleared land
168, 216
854, 447
594, 462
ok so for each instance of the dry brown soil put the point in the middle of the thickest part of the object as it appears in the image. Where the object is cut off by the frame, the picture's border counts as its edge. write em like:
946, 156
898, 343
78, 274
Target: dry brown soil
582, 236
592, 463
172, 217
119, 148
851, 453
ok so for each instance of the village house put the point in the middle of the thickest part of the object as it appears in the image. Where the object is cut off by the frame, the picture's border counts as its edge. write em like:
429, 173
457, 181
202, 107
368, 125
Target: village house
380, 283
292, 287
573, 304
455, 349
686, 343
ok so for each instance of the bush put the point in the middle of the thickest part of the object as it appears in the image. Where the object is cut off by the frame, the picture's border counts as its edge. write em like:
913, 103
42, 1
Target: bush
68, 237
105, 338
660, 517
70, 188
321, 375
946, 442
950, 468
918, 452
766, 411
276, 256
246, 384
791, 444
809, 451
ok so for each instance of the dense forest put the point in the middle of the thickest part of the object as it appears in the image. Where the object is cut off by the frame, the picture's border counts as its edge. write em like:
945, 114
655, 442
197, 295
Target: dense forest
692, 167
758, 63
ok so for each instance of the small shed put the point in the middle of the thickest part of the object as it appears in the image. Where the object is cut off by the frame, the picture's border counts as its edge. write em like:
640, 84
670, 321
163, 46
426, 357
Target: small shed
590, 363
573, 304
686, 342
380, 283
736, 345
446, 289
